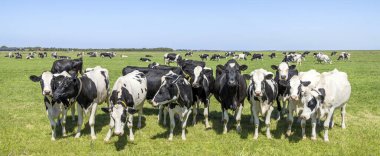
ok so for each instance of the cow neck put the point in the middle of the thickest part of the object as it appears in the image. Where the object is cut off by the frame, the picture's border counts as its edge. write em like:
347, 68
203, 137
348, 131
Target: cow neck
80, 88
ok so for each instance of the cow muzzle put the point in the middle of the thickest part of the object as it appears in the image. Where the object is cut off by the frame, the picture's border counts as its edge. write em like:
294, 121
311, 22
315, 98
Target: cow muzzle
232, 83
294, 97
118, 133
283, 77
258, 93
46, 92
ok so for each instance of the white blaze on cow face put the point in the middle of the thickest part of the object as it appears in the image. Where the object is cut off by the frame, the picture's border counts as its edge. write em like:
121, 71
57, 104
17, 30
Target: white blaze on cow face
46, 78
118, 114
311, 103
295, 84
231, 65
283, 70
258, 78
197, 74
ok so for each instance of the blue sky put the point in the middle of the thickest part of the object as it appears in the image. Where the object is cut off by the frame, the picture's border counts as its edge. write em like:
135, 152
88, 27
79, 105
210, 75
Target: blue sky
224, 25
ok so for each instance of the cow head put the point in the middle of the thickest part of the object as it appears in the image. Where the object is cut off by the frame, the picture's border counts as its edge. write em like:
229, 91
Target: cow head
66, 89
119, 111
198, 76
258, 78
45, 80
232, 70
283, 70
311, 100
169, 90
296, 87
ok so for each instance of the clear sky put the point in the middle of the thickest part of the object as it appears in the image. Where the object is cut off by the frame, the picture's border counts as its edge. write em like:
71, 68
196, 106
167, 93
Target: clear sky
192, 24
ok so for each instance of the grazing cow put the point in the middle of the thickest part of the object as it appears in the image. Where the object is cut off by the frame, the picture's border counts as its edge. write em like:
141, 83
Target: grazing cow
80, 54
306, 53
222, 57
10, 55
296, 58
145, 59
64, 57
41, 55
247, 53
344, 56
18, 56
215, 57
323, 58
108, 54
172, 57
261, 93
333, 53
189, 54
92, 54
127, 97
332, 92
177, 92
88, 91
284, 73
67, 65
148, 56
273, 55
30, 55
296, 89
204, 56
155, 65
257, 57
55, 109
241, 56
54, 55
230, 90
230, 53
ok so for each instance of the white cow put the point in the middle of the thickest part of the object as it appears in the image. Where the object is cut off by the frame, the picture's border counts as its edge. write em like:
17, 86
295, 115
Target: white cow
332, 91
323, 58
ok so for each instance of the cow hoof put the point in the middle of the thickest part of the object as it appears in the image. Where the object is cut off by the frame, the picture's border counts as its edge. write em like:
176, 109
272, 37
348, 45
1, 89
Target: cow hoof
64, 135
255, 137
194, 123
313, 138
343, 126
139, 126
304, 137
170, 139
208, 127
131, 138
225, 131
77, 135
93, 137
326, 140
52, 139
107, 140
184, 138
288, 133
238, 129
269, 136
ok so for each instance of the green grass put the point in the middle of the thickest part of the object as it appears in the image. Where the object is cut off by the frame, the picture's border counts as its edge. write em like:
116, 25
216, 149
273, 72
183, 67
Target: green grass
25, 129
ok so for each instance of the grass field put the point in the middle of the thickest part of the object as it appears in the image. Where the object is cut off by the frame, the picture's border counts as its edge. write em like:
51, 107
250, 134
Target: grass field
25, 129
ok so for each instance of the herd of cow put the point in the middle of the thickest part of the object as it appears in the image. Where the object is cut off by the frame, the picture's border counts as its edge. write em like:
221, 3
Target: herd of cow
181, 89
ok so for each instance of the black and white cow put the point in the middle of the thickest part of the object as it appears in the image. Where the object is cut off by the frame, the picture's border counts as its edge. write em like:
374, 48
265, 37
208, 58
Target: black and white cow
284, 73
67, 65
41, 55
176, 91
92, 54
230, 53
262, 92
30, 55
230, 90
306, 53
257, 57
108, 54
56, 110
88, 91
332, 92
215, 57
18, 55
54, 55
10, 55
296, 58
145, 59
64, 57
296, 89
189, 54
204, 56
333, 53
273, 55
172, 57
323, 58
247, 53
127, 97
344, 56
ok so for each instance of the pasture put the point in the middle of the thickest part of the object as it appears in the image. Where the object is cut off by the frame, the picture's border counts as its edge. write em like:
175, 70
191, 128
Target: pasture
25, 129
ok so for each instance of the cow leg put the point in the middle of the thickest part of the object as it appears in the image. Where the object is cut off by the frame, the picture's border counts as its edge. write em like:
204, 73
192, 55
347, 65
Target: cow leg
165, 112
327, 122
290, 117
238, 118
184, 124
63, 122
303, 125
267, 121
172, 123
278, 107
73, 112
109, 133
343, 114
251, 120
159, 113
255, 111
195, 112
80, 120
332, 121
92, 120
140, 116
313, 126
225, 120
205, 113
53, 125
130, 126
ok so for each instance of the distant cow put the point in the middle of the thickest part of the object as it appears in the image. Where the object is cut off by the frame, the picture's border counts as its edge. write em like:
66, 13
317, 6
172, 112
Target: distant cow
230, 90
257, 57
247, 53
273, 55
306, 53
230, 53
344, 56
148, 56
89, 91
10, 55
64, 57
296, 58
189, 53
203, 57
172, 57
323, 58
54, 55
240, 56
108, 54
262, 92
74, 65
41, 55
92, 54
215, 57
127, 97
145, 59
333, 53
332, 92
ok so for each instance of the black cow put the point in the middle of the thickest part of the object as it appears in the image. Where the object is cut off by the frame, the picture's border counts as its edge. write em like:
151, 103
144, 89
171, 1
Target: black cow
284, 73
64, 57
107, 54
215, 57
230, 90
189, 54
333, 53
204, 56
247, 53
145, 59
305, 53
273, 55
74, 65
172, 57
41, 55
257, 57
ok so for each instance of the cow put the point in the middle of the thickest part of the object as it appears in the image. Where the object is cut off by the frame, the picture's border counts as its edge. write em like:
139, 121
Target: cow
10, 55
306, 53
80, 54
273, 55
175, 91
296, 89
332, 92
145, 59
18, 56
30, 55
41, 55
323, 58
148, 56
55, 109
204, 56
284, 73
74, 65
189, 53
89, 91
215, 57
222, 57
92, 54
230, 90
156, 65
344, 56
127, 96
261, 93
240, 56
54, 55
296, 58
230, 53
247, 53
333, 53
64, 57
257, 57
108, 54
172, 57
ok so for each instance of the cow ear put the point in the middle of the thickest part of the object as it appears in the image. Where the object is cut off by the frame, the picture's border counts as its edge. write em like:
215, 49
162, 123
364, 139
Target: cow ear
243, 67
246, 76
106, 110
269, 76
274, 67
322, 94
131, 110
34, 78
292, 67
305, 83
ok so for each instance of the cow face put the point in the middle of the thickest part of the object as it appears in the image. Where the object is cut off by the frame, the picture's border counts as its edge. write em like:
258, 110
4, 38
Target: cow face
294, 88
198, 77
168, 91
232, 70
311, 101
283, 70
45, 80
258, 79
66, 89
